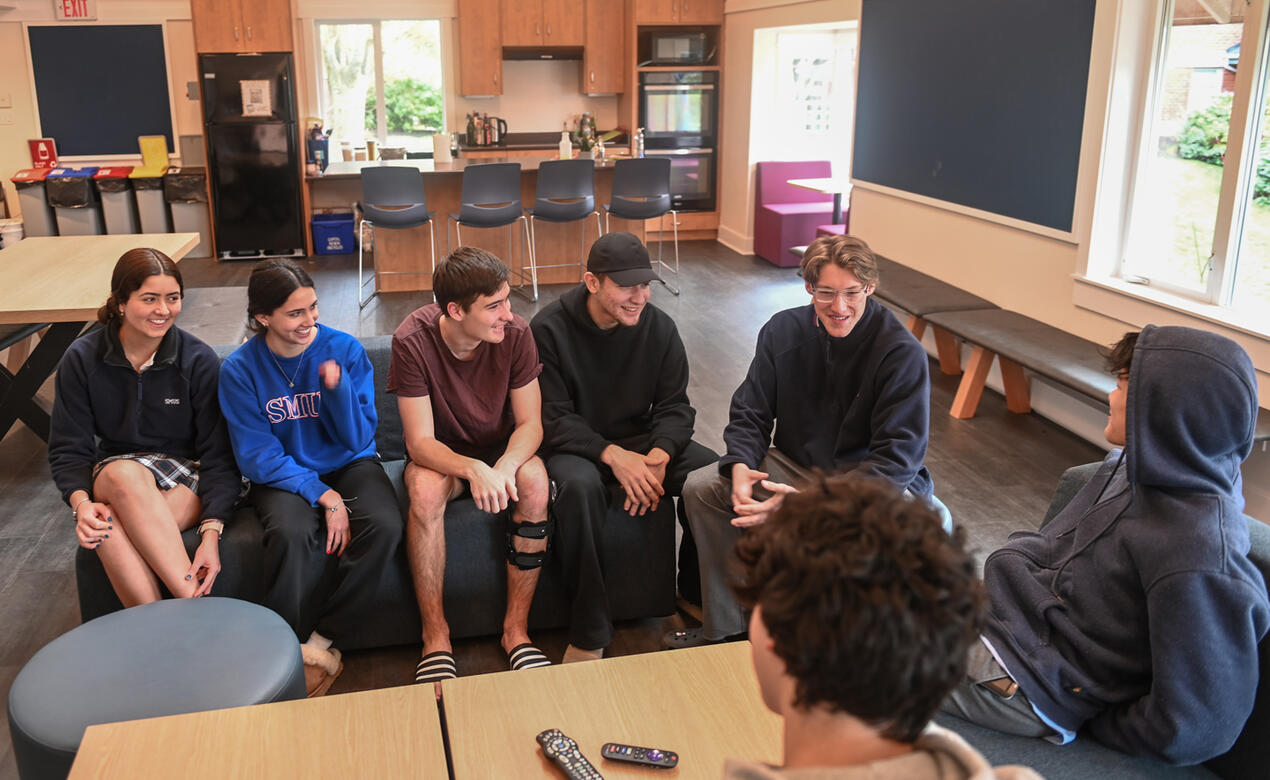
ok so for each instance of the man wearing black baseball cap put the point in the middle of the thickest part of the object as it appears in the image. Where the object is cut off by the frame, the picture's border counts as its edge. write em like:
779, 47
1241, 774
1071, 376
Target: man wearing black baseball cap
615, 411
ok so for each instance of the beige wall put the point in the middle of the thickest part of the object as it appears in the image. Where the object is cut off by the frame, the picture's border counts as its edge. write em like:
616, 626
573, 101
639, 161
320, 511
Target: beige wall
736, 171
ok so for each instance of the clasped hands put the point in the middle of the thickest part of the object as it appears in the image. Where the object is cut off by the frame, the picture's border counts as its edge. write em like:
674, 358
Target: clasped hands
641, 476
749, 510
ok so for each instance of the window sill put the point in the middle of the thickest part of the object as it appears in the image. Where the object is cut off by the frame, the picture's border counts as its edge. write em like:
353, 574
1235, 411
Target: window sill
1140, 305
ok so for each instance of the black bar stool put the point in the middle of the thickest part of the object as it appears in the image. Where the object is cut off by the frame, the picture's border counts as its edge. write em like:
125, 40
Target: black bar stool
641, 190
490, 198
565, 193
392, 197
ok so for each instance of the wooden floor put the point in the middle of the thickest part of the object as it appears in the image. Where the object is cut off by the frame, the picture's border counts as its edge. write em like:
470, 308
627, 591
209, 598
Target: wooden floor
994, 472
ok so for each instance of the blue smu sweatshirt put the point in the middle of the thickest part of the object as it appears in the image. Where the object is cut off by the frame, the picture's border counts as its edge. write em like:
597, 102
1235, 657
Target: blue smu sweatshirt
285, 437
858, 403
1136, 613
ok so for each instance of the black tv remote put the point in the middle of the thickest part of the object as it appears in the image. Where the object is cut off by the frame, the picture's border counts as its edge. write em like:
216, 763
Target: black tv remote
564, 751
662, 759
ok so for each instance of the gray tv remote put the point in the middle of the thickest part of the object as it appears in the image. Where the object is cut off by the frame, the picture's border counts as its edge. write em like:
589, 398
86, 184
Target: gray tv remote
564, 751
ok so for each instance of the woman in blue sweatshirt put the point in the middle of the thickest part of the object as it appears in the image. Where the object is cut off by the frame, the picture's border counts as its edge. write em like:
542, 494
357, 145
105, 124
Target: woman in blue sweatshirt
137, 443
300, 401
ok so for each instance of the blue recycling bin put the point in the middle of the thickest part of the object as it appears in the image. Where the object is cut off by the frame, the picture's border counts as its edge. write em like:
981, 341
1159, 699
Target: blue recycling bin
71, 193
333, 234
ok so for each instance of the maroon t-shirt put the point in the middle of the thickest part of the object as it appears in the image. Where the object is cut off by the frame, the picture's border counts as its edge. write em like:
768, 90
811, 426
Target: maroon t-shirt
471, 401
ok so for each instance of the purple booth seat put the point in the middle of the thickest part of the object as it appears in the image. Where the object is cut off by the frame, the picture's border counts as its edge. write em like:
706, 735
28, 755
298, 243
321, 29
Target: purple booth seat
785, 215
834, 229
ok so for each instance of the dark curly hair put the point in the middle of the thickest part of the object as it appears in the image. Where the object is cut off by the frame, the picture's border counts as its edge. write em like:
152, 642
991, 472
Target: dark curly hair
871, 606
1119, 356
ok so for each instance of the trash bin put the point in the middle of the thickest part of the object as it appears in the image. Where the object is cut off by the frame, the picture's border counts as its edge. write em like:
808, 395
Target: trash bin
333, 233
37, 214
147, 184
118, 201
74, 201
185, 190
10, 232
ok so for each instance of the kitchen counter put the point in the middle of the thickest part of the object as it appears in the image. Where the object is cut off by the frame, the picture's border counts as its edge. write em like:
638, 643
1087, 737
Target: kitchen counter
530, 141
352, 170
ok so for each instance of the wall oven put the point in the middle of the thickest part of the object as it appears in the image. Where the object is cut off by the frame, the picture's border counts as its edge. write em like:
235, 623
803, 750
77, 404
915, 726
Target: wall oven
691, 177
678, 109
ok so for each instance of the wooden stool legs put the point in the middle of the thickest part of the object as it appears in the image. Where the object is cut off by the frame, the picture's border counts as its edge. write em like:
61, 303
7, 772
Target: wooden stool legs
945, 344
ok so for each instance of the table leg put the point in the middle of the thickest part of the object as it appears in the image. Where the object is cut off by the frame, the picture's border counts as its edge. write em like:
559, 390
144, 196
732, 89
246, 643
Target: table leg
837, 208
17, 395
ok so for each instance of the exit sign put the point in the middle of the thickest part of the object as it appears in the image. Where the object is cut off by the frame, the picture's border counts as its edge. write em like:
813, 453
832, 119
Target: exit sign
75, 10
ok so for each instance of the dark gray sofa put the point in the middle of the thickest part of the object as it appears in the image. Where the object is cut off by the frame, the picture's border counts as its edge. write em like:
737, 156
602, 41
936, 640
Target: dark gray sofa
1085, 758
638, 556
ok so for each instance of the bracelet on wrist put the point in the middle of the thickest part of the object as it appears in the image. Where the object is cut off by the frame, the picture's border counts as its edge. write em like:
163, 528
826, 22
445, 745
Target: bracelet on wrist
78, 504
212, 525
336, 508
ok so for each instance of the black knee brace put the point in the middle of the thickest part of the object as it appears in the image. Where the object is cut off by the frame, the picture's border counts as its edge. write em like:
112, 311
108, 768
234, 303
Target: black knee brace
525, 560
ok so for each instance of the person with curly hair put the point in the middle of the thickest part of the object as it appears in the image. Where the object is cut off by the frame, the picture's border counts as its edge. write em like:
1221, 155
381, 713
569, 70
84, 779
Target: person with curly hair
862, 612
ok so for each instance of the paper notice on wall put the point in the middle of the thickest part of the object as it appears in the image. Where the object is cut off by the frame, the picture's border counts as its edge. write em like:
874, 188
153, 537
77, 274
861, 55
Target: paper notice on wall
257, 97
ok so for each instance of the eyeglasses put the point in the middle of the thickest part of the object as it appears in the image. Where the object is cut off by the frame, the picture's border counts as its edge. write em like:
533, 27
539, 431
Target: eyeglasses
826, 295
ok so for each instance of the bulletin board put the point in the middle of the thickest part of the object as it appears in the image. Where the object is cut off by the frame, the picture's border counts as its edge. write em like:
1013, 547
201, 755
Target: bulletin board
98, 87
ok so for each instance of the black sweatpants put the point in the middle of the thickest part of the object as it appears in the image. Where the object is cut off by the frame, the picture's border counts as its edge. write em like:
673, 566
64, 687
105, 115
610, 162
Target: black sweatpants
584, 490
310, 589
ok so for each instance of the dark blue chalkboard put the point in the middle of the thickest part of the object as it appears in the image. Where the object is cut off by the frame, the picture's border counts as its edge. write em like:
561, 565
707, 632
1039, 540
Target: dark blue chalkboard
98, 87
976, 102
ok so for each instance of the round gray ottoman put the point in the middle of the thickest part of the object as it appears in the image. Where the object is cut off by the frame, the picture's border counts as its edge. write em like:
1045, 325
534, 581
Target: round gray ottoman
166, 658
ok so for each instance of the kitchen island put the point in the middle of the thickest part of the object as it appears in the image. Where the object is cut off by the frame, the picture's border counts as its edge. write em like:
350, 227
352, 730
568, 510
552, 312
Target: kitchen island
401, 256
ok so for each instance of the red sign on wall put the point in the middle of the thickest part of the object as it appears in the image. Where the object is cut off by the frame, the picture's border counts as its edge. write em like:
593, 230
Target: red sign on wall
75, 10
43, 153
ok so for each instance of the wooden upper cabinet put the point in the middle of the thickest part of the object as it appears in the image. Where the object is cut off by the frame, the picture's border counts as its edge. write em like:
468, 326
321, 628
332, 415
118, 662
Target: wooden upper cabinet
266, 25
564, 22
604, 56
679, 11
241, 25
700, 12
480, 48
521, 22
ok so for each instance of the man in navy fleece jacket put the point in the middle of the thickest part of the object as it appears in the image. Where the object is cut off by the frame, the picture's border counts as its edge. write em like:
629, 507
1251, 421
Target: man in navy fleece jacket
846, 387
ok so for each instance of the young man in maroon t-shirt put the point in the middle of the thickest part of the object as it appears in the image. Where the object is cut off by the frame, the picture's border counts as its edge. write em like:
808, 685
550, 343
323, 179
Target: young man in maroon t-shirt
465, 372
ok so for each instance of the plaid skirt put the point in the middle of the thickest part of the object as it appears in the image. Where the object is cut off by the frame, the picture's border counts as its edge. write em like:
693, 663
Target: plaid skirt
168, 470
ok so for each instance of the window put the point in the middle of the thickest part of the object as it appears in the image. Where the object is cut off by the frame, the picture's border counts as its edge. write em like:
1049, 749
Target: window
802, 103
381, 80
1199, 224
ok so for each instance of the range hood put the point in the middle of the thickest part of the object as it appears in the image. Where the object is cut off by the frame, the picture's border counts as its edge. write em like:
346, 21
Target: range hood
542, 52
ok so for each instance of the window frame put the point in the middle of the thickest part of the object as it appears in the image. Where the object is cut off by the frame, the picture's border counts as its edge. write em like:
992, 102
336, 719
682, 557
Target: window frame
1238, 168
381, 105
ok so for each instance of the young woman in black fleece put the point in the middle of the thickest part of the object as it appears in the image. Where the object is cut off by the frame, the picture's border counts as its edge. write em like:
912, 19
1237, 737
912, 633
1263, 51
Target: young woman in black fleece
137, 443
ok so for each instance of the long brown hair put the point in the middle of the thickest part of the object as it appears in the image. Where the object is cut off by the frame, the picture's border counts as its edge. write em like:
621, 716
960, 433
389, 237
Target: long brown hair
131, 271
270, 285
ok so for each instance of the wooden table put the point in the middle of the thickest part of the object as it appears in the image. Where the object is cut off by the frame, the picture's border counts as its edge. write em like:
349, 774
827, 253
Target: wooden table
829, 186
388, 733
61, 280
702, 703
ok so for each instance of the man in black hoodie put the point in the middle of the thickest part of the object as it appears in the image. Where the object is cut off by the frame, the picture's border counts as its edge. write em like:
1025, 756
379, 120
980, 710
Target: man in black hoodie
1134, 615
846, 387
616, 416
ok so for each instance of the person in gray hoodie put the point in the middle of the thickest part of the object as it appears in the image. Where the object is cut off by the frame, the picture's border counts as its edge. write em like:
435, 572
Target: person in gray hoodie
863, 609
1134, 615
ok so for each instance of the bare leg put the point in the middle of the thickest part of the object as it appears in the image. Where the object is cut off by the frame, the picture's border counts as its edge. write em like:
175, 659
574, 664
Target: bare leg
152, 522
128, 572
531, 487
429, 492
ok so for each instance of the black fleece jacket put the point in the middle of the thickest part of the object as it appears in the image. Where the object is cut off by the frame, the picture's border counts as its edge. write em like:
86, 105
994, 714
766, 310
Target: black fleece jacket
103, 407
602, 387
858, 403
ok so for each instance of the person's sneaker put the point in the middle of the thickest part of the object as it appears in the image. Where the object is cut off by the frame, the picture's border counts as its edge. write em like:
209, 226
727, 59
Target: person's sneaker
695, 637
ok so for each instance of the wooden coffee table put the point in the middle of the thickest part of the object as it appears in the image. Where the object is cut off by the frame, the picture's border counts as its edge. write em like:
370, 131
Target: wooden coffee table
393, 732
702, 703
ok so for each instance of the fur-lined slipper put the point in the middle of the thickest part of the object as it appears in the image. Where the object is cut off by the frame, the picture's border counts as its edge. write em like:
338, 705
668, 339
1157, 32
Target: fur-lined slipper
321, 667
435, 667
526, 656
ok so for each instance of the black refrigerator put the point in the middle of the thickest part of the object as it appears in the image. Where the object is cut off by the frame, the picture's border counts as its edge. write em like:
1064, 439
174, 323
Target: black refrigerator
253, 157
